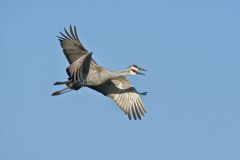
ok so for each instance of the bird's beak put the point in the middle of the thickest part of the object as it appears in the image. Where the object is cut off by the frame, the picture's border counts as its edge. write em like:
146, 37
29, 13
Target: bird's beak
141, 69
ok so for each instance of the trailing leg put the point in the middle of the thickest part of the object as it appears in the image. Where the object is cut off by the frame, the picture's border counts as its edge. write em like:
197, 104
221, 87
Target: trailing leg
61, 91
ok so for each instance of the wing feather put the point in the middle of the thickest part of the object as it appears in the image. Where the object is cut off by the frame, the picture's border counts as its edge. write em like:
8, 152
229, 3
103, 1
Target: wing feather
64, 36
71, 31
75, 31
72, 47
134, 112
125, 96
125, 105
68, 34
140, 107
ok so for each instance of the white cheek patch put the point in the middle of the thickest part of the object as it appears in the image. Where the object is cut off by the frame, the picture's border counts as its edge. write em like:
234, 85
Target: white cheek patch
132, 72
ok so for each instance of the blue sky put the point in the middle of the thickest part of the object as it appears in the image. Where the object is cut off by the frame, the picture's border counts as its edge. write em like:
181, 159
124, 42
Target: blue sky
190, 48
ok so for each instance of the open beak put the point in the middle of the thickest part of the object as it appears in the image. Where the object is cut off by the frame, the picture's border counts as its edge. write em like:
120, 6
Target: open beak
141, 69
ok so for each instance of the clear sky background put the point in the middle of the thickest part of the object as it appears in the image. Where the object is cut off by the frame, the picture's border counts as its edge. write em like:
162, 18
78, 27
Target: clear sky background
191, 50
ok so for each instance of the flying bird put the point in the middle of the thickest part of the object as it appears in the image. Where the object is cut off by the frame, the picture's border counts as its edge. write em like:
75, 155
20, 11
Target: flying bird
83, 71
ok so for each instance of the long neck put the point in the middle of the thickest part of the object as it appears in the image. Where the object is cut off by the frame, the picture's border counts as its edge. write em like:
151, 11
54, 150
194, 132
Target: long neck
114, 74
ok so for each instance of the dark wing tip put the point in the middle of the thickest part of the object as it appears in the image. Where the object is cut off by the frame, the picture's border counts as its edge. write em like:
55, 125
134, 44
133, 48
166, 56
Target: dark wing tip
133, 113
64, 37
75, 31
137, 112
68, 34
129, 116
72, 33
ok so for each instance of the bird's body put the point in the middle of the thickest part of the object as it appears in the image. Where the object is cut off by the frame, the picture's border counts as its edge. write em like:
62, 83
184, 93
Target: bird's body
85, 72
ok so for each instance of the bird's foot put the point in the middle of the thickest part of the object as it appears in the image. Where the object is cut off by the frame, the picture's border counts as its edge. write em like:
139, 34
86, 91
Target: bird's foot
56, 93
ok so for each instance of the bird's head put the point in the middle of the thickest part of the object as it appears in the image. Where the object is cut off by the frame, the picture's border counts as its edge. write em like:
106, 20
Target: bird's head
134, 70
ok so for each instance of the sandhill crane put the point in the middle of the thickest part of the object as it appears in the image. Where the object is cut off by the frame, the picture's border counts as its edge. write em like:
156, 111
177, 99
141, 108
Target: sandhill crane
85, 72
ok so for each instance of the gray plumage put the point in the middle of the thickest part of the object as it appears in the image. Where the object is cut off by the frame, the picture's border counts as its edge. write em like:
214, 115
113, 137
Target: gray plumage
85, 72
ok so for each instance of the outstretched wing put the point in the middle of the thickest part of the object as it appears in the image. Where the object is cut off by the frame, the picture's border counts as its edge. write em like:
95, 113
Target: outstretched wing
72, 47
126, 96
